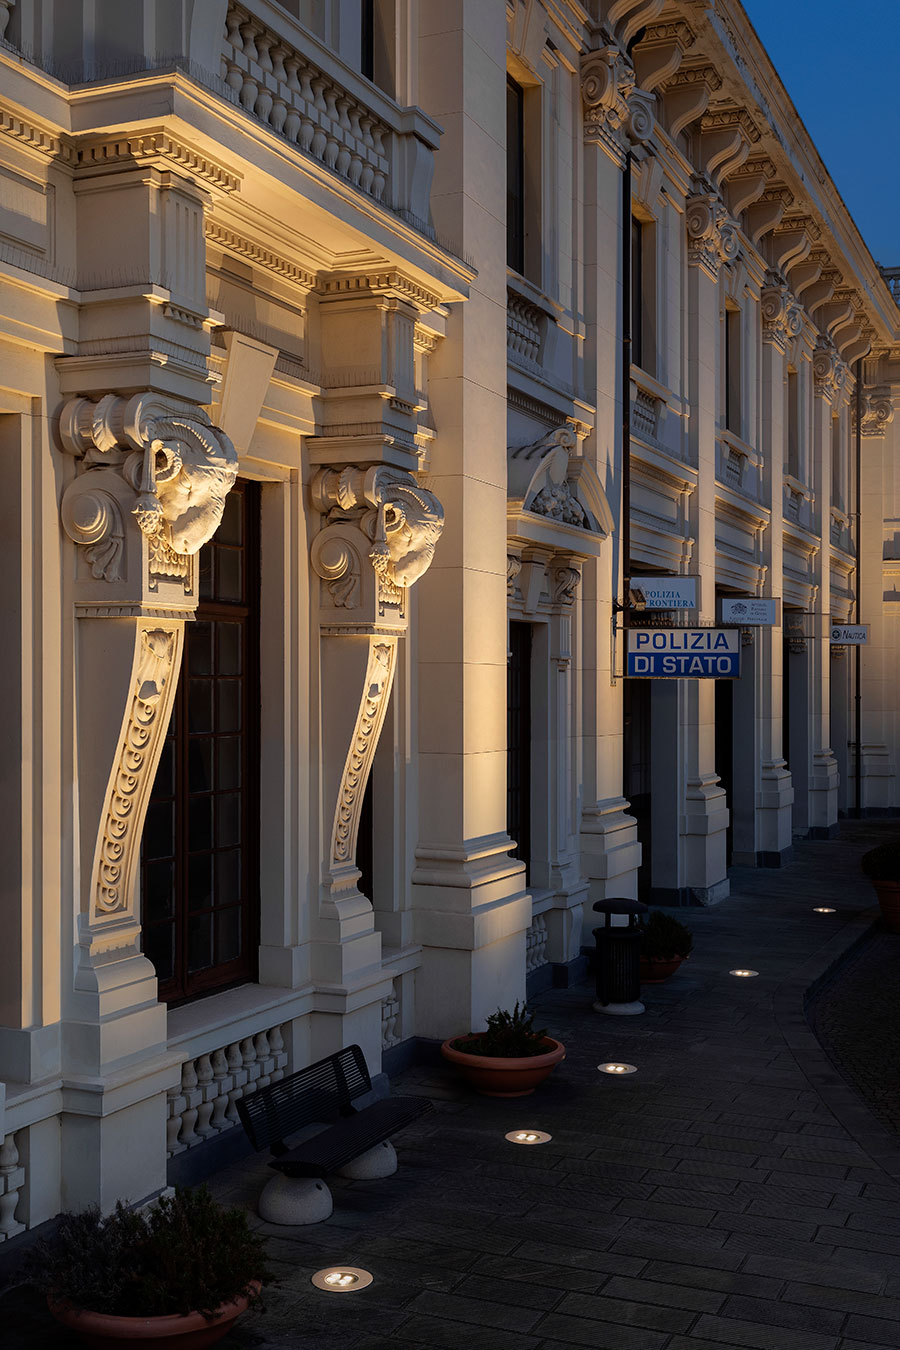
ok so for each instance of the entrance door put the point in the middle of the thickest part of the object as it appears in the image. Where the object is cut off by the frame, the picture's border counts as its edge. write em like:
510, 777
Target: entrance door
518, 741
725, 754
636, 769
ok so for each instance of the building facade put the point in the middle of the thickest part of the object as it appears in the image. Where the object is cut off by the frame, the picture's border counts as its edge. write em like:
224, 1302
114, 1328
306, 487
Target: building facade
328, 473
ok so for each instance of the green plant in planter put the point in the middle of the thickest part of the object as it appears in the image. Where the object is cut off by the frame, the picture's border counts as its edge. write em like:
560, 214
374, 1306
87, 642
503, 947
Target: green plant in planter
663, 938
883, 863
509, 1035
187, 1254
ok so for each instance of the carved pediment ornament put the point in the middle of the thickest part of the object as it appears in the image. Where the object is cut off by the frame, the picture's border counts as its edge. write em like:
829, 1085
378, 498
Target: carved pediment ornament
172, 470
782, 318
712, 234
616, 112
562, 486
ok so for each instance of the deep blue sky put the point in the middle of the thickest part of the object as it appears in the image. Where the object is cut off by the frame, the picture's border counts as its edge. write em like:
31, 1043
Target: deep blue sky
840, 64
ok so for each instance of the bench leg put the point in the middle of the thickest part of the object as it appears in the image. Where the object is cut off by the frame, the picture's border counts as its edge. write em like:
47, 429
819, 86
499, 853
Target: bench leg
295, 1200
380, 1161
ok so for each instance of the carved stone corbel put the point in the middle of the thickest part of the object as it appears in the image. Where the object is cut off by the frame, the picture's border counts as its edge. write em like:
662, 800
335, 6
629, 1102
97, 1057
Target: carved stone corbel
712, 234
616, 112
877, 411
150, 491
829, 372
782, 318
150, 488
379, 532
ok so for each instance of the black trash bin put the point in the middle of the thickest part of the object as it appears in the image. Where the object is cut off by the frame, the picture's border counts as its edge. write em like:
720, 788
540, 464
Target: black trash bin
618, 957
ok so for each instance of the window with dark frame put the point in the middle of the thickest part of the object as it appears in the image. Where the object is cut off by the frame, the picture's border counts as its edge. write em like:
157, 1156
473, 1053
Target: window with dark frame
637, 292
793, 423
733, 370
515, 176
518, 754
199, 854
367, 39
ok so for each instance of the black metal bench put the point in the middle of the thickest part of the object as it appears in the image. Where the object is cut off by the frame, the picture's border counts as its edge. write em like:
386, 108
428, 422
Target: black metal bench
323, 1094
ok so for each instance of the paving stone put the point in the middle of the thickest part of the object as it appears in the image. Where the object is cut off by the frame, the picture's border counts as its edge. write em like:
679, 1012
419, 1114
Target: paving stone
845, 1300
872, 1330
760, 1336
648, 1290
831, 1274
602, 1335
455, 1308
783, 1314
720, 1281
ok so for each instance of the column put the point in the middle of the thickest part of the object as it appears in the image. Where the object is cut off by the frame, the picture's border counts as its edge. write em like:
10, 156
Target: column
823, 785
472, 910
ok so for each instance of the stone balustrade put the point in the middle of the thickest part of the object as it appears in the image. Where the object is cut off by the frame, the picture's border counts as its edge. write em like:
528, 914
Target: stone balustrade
523, 326
205, 1103
536, 944
295, 96
12, 1184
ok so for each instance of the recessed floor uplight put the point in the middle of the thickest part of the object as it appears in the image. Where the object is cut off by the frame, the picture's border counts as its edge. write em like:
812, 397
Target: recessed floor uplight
824, 909
528, 1137
747, 973
617, 1068
342, 1279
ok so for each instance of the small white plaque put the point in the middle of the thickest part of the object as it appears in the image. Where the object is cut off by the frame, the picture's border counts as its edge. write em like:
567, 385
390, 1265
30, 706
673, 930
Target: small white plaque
666, 592
751, 611
850, 634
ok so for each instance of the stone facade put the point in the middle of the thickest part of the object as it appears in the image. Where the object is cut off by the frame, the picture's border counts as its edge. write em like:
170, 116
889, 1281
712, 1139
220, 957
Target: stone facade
243, 254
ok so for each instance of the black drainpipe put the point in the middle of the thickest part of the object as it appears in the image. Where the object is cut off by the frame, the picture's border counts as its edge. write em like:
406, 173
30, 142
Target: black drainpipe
858, 699
626, 388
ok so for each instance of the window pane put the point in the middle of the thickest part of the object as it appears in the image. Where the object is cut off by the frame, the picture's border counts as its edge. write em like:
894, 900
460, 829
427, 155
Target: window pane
228, 762
228, 648
228, 820
231, 531
229, 575
205, 569
228, 934
199, 823
200, 948
228, 877
199, 881
159, 948
200, 761
158, 899
200, 705
199, 648
228, 701
159, 831
164, 785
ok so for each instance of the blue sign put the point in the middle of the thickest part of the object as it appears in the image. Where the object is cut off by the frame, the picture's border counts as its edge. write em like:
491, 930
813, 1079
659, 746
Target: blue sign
684, 653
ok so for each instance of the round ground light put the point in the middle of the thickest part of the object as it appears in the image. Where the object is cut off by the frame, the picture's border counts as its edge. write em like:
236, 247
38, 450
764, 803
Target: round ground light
617, 1068
747, 974
342, 1279
824, 909
528, 1137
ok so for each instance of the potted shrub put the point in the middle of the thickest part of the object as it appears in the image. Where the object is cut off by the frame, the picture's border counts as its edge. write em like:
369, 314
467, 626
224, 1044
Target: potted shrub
665, 943
179, 1274
509, 1058
882, 866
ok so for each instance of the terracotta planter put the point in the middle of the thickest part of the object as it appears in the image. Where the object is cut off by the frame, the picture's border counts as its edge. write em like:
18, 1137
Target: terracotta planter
655, 969
888, 893
181, 1331
504, 1077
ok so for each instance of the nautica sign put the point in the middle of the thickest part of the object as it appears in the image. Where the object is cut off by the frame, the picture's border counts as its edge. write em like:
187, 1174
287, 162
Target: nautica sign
684, 653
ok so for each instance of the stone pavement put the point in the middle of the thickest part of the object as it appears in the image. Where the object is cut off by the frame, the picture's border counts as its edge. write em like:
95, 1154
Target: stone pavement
734, 1192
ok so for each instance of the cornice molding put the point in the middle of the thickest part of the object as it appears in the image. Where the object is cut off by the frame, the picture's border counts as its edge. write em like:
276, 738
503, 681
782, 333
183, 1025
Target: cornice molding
155, 143
389, 282
268, 259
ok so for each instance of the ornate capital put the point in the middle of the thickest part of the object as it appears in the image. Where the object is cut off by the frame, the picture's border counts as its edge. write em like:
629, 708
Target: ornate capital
712, 234
152, 482
829, 372
382, 514
782, 318
616, 112
877, 411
